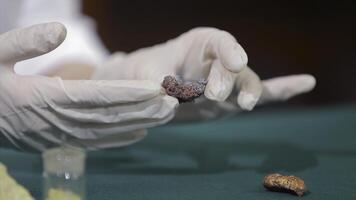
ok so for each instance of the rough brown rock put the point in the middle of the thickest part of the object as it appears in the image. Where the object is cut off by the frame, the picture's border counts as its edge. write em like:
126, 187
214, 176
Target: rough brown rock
183, 91
279, 183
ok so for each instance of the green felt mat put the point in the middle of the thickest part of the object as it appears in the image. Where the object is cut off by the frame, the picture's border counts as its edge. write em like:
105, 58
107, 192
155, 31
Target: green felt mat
224, 159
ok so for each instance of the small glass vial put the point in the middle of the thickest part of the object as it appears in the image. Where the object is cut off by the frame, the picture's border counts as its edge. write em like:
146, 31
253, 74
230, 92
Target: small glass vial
64, 173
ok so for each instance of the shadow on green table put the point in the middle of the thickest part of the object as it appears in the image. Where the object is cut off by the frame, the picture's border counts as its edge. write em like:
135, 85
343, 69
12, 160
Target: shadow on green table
213, 157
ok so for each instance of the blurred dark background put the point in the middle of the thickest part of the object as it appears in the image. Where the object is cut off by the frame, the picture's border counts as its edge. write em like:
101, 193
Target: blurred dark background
280, 37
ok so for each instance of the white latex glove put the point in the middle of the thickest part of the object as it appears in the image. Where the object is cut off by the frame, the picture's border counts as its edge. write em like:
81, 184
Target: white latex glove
206, 53
36, 111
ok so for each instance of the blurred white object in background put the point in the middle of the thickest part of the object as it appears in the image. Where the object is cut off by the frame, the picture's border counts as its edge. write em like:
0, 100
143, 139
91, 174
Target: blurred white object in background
82, 43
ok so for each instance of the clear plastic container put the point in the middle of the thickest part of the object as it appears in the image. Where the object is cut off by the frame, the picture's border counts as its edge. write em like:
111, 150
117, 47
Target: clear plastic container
64, 173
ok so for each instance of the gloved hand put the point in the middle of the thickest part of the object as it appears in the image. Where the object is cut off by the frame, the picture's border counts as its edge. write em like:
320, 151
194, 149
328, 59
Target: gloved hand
36, 111
206, 53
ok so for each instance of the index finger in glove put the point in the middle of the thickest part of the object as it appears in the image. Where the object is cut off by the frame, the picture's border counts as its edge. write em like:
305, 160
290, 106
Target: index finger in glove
25, 43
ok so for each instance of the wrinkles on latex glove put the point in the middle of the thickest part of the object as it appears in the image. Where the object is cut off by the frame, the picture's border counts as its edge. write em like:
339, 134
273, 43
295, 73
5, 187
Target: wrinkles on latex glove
37, 110
106, 92
113, 104
154, 109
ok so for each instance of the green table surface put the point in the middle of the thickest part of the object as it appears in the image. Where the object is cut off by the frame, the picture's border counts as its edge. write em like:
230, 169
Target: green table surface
223, 159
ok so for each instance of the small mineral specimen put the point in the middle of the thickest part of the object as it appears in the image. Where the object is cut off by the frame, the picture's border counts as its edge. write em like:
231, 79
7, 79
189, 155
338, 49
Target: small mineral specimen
183, 91
279, 183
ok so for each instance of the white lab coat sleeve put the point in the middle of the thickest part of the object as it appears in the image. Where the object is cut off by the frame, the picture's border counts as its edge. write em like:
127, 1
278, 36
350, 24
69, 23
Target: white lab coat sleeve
82, 44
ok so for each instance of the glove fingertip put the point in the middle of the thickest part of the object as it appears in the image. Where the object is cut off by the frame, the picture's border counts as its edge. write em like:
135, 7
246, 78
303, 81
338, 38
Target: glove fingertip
309, 82
59, 33
47, 37
173, 102
214, 94
233, 56
247, 101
